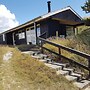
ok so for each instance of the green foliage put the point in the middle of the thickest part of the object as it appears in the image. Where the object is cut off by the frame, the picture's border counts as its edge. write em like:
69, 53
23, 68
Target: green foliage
87, 21
84, 36
86, 7
82, 28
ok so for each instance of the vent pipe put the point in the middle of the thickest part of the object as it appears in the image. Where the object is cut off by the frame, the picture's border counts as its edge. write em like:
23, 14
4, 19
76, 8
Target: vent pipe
49, 6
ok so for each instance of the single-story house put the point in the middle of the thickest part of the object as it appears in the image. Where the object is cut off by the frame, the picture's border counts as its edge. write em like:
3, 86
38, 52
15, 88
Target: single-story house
63, 21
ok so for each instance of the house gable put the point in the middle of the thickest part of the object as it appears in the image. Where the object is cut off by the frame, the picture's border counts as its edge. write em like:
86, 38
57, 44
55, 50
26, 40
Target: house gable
67, 17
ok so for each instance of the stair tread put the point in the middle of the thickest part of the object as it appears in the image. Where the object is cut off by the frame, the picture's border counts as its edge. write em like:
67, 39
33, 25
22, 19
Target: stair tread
88, 88
36, 56
61, 64
75, 74
82, 84
28, 52
62, 72
42, 60
53, 66
70, 78
42, 55
68, 69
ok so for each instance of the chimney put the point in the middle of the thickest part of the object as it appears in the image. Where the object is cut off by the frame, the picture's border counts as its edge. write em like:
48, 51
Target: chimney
49, 6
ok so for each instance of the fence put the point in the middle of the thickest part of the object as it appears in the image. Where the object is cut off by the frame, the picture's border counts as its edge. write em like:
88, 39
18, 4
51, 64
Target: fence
84, 55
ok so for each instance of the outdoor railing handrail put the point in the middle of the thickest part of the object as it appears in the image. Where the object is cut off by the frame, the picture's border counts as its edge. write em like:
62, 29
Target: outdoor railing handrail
67, 48
82, 54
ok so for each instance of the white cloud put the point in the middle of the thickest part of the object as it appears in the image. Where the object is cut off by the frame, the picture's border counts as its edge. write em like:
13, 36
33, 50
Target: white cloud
7, 19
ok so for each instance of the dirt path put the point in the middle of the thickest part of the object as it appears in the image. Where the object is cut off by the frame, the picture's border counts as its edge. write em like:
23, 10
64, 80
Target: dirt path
8, 78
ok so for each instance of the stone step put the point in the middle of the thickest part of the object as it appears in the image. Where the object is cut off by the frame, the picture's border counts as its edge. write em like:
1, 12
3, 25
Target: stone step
68, 69
82, 84
31, 52
88, 88
62, 72
43, 56
48, 60
45, 60
79, 76
71, 78
36, 52
53, 66
28, 52
76, 74
36, 56
39, 56
59, 64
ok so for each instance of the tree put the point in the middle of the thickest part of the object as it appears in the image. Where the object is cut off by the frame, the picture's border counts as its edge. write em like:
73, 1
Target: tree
86, 6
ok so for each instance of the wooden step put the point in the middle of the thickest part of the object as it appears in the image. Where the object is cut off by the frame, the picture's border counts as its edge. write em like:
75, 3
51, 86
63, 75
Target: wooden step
43, 56
68, 69
62, 72
71, 78
36, 52
82, 84
59, 64
75, 74
53, 66
28, 52
36, 56
88, 88
45, 60
49, 60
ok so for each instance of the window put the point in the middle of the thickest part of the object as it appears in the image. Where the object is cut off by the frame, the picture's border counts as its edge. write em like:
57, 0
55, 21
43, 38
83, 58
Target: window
21, 35
3, 37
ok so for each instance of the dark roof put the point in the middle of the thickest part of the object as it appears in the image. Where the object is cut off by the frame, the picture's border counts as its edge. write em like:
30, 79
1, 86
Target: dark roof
43, 17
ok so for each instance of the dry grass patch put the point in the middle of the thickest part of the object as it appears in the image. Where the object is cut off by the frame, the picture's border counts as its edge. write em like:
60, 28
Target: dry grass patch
27, 73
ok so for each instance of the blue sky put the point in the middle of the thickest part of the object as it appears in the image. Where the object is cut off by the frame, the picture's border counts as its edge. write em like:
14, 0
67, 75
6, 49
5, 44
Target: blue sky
26, 10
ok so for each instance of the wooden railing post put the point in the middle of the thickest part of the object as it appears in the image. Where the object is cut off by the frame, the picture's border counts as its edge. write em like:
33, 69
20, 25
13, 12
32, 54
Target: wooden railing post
59, 50
89, 67
61, 47
41, 46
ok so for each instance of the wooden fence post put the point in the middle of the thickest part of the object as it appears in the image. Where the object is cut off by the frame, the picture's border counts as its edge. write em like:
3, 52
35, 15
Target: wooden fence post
59, 50
89, 67
41, 46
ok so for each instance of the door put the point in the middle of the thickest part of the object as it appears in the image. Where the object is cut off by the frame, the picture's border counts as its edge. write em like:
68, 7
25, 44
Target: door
31, 35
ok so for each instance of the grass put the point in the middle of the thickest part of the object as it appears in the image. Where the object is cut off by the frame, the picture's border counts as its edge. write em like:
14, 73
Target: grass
80, 42
23, 72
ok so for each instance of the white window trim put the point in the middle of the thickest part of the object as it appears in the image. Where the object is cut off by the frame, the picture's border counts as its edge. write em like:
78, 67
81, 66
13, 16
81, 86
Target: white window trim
22, 35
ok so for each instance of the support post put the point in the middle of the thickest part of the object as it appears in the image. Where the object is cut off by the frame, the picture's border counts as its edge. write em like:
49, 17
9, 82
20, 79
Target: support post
26, 35
13, 39
35, 28
76, 31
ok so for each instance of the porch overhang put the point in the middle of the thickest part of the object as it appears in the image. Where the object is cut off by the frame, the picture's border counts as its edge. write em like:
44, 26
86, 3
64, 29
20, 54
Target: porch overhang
68, 22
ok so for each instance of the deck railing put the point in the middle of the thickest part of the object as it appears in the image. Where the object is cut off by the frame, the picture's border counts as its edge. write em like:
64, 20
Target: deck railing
84, 55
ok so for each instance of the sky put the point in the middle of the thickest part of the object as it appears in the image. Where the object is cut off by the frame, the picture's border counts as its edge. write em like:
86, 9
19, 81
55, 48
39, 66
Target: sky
16, 12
